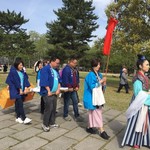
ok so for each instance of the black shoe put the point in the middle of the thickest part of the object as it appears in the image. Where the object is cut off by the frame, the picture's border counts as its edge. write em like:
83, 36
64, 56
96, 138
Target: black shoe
90, 130
78, 119
104, 135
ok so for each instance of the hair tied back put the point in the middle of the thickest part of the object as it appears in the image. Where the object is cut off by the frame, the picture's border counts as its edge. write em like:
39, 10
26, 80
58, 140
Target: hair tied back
141, 57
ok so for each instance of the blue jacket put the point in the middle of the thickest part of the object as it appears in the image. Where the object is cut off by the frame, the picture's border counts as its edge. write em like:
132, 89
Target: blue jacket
90, 83
14, 83
46, 79
67, 77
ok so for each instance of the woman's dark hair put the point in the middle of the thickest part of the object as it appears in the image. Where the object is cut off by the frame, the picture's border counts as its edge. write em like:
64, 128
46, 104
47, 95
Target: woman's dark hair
36, 69
140, 61
18, 60
38, 63
94, 62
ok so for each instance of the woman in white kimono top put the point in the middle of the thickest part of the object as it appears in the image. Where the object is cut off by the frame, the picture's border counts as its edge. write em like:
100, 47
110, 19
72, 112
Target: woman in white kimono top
137, 133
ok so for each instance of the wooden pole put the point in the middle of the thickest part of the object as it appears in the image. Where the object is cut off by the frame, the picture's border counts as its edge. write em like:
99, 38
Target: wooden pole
107, 63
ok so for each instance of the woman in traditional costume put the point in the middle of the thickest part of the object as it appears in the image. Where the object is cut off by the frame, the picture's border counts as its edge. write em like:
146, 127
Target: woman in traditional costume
137, 133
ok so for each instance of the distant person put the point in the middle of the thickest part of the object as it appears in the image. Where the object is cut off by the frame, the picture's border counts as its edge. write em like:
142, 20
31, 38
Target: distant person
5, 67
45, 62
137, 132
94, 79
70, 79
18, 83
50, 88
1, 67
37, 67
121, 70
123, 81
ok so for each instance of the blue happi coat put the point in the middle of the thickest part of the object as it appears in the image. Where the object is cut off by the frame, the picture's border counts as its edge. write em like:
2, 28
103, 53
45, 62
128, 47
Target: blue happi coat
90, 83
13, 80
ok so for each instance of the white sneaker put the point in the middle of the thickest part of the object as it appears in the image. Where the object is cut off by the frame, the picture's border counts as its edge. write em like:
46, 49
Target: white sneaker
27, 120
19, 120
54, 126
45, 128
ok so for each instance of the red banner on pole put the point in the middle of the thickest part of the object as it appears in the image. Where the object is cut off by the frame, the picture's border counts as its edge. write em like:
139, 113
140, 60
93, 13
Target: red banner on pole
108, 38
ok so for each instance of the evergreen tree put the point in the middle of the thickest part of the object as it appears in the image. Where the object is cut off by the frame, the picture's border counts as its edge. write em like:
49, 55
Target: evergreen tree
74, 26
13, 39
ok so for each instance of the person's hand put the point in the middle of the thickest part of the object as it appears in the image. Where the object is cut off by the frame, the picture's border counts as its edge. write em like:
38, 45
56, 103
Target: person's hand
104, 79
76, 89
57, 92
104, 83
49, 93
26, 90
21, 92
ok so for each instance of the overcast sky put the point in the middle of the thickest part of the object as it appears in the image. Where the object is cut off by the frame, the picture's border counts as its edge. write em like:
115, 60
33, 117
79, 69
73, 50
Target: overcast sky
41, 11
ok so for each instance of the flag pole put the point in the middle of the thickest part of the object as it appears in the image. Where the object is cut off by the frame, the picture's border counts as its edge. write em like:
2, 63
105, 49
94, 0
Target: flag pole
107, 63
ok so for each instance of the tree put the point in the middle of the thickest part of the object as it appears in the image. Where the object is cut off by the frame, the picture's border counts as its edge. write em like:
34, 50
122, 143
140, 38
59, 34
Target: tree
13, 39
134, 21
41, 44
94, 52
132, 35
74, 26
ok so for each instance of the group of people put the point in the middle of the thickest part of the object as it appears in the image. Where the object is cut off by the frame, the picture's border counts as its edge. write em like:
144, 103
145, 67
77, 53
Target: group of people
49, 83
49, 80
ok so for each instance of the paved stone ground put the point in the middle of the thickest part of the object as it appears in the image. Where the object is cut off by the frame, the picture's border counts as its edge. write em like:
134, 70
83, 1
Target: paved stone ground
70, 136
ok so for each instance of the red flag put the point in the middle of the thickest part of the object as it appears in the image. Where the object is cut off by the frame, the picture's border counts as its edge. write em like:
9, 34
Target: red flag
108, 38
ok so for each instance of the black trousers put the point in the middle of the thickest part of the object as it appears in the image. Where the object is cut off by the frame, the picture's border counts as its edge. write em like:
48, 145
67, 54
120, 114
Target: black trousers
123, 85
19, 108
49, 110
42, 105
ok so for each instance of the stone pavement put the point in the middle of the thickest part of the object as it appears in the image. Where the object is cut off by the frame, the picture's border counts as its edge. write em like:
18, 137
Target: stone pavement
70, 135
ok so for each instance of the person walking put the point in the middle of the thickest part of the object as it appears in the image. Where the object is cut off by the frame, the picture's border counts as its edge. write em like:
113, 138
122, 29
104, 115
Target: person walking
137, 132
50, 88
94, 79
18, 83
70, 79
123, 81
5, 67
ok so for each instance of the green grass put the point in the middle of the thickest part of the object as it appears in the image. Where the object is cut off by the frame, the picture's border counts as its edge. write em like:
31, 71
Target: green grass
118, 101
